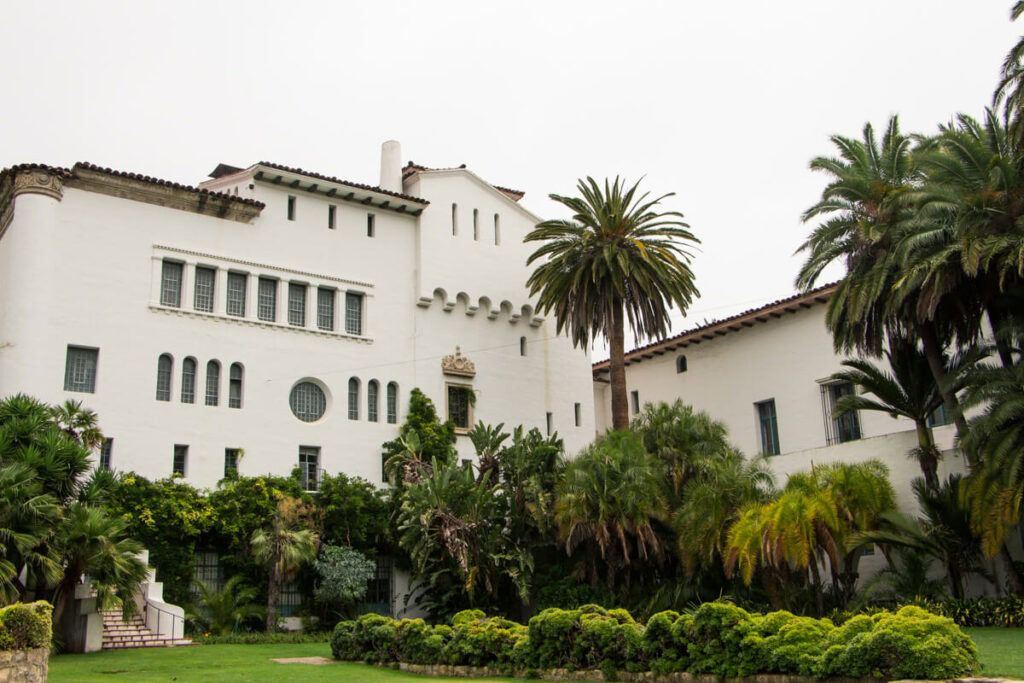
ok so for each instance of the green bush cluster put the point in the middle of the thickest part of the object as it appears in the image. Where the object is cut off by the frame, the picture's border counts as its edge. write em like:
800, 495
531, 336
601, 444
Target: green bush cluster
718, 638
262, 638
26, 626
1006, 612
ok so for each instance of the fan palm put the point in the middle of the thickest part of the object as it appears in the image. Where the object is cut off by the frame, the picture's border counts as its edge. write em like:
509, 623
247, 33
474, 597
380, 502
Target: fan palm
607, 503
81, 424
908, 391
221, 611
27, 519
283, 548
617, 258
680, 438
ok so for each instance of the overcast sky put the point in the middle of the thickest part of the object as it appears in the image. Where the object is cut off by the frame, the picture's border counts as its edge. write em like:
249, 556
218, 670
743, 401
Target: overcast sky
723, 103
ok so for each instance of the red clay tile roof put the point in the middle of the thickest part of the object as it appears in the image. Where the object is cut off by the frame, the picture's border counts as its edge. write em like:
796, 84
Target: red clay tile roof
332, 179
70, 173
410, 168
722, 327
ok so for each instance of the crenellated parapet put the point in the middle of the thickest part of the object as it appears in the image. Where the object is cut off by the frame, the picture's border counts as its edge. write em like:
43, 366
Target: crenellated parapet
472, 305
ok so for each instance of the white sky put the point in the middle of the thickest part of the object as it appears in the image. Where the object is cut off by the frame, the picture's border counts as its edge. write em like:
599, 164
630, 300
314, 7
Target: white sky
723, 103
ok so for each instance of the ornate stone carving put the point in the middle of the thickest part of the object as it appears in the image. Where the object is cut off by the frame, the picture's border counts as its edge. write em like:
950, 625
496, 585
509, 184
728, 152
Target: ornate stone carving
457, 364
39, 181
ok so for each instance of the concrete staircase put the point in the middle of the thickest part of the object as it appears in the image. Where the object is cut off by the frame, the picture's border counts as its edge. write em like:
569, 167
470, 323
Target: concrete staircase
119, 634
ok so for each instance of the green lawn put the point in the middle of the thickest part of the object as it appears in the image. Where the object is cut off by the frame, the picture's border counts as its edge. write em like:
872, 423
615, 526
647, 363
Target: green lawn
210, 663
1001, 650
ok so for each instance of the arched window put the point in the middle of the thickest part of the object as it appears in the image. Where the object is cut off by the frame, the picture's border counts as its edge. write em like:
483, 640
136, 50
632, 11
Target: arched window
455, 219
235, 386
681, 364
522, 346
163, 377
188, 380
353, 398
372, 392
392, 403
497, 230
212, 383
476, 225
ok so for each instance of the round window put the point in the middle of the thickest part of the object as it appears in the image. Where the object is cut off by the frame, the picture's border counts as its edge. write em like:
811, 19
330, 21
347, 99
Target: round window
307, 401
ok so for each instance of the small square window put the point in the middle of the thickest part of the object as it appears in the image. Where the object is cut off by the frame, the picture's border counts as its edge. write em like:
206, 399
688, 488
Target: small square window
291, 208
80, 369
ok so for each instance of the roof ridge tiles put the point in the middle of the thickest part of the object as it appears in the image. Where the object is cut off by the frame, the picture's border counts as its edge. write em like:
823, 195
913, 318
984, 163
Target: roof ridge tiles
166, 183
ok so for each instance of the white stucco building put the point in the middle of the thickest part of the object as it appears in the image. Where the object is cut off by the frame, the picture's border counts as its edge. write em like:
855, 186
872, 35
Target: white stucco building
765, 374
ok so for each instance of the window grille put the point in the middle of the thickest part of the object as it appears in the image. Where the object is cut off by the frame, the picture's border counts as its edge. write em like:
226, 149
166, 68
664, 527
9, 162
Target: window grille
106, 449
325, 308
266, 299
353, 399
163, 377
769, 427
230, 462
235, 386
307, 402
458, 406
205, 278
236, 294
838, 428
353, 313
296, 304
392, 403
372, 390
188, 380
180, 463
309, 467
380, 588
80, 369
207, 570
212, 383
290, 601
170, 284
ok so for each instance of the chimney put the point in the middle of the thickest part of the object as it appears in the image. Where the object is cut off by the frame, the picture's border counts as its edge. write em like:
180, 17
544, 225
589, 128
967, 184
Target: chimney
391, 166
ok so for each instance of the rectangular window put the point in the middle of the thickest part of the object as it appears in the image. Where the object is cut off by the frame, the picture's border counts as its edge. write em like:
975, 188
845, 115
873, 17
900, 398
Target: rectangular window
379, 589
170, 284
353, 313
235, 386
838, 428
332, 213
266, 299
296, 304
392, 400
203, 299
369, 225
291, 208
106, 449
188, 381
231, 462
325, 308
497, 230
236, 294
163, 378
577, 413
206, 570
769, 427
80, 369
180, 463
939, 416
309, 466
459, 406
634, 397
476, 225
548, 420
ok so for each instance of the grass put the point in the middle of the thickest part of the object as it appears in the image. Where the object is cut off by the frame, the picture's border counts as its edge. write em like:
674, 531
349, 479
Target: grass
1001, 651
206, 663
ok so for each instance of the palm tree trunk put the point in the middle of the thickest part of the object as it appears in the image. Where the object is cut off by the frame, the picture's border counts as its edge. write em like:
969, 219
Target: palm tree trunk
933, 352
617, 368
926, 456
956, 581
770, 583
1016, 584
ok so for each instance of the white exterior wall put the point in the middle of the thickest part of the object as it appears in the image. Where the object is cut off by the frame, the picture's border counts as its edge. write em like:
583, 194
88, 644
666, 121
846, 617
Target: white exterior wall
85, 271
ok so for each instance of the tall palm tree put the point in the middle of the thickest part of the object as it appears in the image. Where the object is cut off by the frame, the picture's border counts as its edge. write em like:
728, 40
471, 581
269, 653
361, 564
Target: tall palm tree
607, 503
283, 548
908, 391
1011, 84
617, 258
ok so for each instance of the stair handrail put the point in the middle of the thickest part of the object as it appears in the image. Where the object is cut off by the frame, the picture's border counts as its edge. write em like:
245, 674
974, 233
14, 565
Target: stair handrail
159, 616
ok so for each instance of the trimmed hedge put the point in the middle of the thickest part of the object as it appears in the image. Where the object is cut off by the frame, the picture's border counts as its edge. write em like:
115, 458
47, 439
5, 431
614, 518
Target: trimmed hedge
26, 626
262, 638
718, 638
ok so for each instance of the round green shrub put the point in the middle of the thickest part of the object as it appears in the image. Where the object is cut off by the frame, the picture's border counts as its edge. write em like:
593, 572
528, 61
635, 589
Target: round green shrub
26, 625
343, 641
